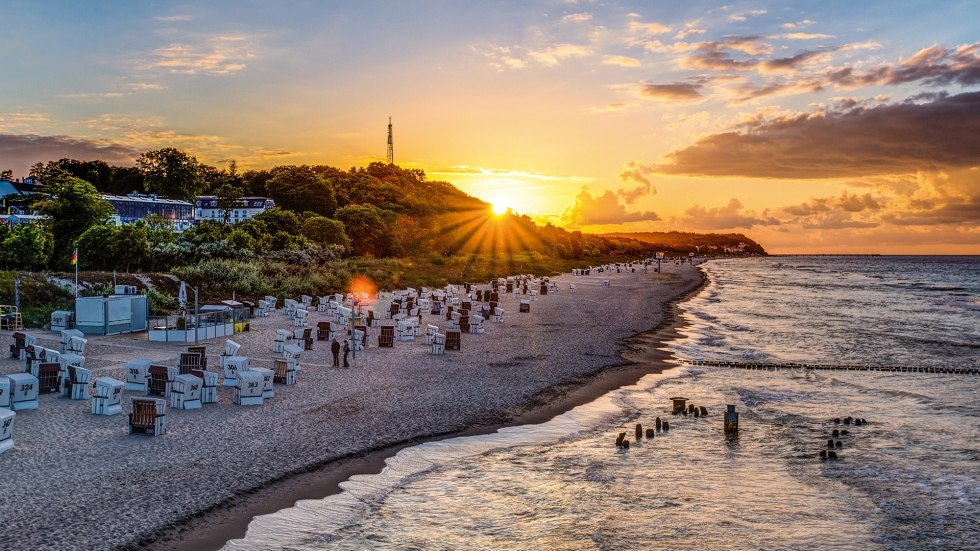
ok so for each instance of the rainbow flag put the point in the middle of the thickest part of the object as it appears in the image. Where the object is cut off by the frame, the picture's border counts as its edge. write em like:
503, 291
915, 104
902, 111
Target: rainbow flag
74, 257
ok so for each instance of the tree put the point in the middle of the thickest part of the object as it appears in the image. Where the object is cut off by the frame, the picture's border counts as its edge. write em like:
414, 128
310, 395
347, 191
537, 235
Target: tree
325, 231
6, 174
95, 247
229, 197
367, 226
171, 173
25, 246
300, 188
130, 246
73, 207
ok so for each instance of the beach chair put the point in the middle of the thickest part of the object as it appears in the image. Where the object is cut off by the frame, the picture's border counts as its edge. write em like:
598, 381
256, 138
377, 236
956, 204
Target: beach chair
263, 309
438, 344
358, 338
284, 372
136, 374
306, 300
497, 316
6, 429
49, 378
405, 329
18, 346
76, 384
571, 287
454, 318
202, 351
108, 393
157, 381
308, 338
24, 390
605, 283
321, 304
430, 331
268, 377
282, 335
464, 322
233, 367
525, 306
66, 336
436, 308
149, 416
186, 391
386, 339
453, 340
476, 323
4, 392
249, 389
323, 331
372, 321
188, 362
300, 317
209, 385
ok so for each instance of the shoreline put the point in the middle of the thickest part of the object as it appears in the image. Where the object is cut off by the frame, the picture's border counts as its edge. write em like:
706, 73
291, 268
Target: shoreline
216, 465
213, 528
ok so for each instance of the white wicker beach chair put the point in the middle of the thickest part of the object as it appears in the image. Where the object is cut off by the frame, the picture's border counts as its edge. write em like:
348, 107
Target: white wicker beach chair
249, 389
108, 393
24, 390
6, 429
186, 392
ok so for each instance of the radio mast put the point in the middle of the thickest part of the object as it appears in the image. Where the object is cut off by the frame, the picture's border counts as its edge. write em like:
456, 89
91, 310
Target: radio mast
391, 145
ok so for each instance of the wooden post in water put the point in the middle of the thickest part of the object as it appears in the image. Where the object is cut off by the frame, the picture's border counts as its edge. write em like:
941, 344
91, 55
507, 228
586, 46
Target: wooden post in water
731, 420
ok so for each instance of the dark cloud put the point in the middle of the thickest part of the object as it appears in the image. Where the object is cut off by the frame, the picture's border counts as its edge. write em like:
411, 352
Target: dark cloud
19, 151
933, 66
678, 91
731, 216
888, 139
603, 209
636, 173
952, 211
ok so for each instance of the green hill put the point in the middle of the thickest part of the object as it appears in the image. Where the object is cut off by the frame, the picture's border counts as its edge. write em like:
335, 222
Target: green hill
685, 242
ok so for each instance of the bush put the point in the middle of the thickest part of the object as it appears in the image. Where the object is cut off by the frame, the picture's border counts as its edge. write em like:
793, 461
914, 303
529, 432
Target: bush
160, 304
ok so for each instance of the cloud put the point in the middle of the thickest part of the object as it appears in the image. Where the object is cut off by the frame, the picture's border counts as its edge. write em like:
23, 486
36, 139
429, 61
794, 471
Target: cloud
731, 216
807, 36
639, 27
836, 212
588, 210
678, 91
577, 18
173, 18
933, 66
636, 173
553, 55
799, 25
888, 139
20, 151
689, 30
216, 55
621, 61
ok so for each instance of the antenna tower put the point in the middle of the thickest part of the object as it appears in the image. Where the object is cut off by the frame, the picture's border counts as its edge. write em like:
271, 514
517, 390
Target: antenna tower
391, 145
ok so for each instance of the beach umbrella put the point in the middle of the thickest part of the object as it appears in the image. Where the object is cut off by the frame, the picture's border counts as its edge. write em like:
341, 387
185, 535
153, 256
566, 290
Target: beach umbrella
182, 296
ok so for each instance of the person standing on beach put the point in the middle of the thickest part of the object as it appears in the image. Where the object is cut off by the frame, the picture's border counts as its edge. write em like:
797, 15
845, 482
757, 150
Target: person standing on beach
346, 352
335, 348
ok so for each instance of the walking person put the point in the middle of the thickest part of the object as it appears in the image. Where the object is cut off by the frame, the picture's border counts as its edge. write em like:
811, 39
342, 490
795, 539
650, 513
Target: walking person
335, 348
346, 353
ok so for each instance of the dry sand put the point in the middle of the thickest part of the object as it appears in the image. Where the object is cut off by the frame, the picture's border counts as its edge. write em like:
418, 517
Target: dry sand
79, 481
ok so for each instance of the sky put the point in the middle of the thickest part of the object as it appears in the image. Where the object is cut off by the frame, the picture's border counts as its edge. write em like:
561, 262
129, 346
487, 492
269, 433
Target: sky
811, 127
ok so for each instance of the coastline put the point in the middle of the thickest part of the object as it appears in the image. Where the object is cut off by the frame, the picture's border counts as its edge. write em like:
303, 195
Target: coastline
219, 463
211, 530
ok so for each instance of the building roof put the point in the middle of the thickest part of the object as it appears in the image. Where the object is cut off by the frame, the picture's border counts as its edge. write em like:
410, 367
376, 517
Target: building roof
138, 198
8, 187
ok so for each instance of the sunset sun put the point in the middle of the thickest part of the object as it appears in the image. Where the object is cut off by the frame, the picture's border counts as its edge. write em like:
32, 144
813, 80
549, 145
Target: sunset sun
499, 204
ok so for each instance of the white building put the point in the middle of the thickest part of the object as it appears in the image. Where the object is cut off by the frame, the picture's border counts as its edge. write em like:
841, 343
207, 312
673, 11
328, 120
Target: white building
248, 207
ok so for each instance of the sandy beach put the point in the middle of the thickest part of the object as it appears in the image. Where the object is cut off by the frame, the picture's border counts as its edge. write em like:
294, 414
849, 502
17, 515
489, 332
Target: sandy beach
76, 480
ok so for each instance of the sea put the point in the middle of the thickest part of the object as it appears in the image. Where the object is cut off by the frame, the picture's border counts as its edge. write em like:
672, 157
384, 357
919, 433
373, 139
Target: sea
906, 478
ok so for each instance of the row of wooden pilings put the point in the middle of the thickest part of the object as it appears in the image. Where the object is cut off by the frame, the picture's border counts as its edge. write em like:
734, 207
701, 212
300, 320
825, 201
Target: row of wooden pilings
834, 444
764, 366
679, 407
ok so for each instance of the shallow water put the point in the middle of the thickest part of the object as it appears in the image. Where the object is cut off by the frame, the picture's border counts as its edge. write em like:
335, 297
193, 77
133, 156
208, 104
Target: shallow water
907, 479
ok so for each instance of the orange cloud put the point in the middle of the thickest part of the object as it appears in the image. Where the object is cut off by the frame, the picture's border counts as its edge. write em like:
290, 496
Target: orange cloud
588, 210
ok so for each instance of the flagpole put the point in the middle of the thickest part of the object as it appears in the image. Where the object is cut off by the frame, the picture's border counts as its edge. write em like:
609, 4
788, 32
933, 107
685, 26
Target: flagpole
75, 258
